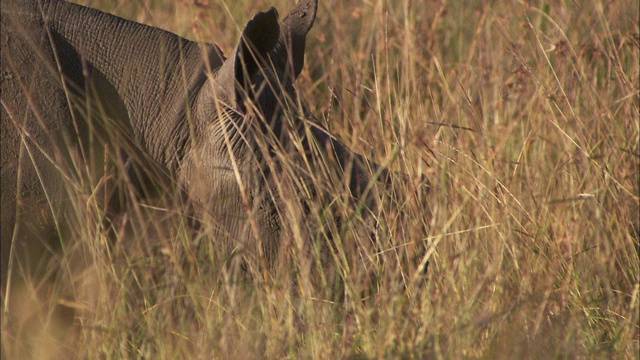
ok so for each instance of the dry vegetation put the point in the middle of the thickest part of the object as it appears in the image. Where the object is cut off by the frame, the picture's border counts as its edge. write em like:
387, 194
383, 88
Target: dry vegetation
524, 116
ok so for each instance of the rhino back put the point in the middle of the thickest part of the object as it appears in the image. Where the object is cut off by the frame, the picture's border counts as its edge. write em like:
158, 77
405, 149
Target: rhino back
156, 73
35, 116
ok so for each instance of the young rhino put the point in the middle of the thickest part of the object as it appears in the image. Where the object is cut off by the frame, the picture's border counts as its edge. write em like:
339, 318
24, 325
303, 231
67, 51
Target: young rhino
218, 127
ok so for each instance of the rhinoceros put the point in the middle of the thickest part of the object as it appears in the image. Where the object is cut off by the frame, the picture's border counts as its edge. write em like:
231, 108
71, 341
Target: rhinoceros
216, 127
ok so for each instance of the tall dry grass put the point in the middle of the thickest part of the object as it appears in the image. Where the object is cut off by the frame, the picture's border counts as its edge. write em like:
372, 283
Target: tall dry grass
524, 115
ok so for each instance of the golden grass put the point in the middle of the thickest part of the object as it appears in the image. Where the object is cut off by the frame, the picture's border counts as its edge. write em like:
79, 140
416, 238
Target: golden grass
523, 115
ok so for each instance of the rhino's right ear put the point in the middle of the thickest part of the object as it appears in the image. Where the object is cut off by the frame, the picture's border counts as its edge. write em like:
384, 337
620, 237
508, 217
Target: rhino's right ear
289, 54
258, 39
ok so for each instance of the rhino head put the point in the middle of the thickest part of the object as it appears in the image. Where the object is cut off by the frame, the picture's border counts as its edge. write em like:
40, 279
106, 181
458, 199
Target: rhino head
249, 120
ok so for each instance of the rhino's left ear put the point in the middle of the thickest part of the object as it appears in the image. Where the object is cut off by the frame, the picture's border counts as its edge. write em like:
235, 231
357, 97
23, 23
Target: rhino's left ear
259, 38
289, 53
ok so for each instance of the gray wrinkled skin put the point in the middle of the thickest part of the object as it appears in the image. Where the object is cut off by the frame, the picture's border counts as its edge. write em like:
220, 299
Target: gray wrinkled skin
195, 117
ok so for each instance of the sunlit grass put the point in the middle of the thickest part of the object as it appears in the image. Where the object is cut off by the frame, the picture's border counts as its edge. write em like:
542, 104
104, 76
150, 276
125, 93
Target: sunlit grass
523, 116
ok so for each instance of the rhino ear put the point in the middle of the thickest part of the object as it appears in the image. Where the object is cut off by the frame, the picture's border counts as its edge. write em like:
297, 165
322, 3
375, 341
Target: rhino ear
259, 38
289, 54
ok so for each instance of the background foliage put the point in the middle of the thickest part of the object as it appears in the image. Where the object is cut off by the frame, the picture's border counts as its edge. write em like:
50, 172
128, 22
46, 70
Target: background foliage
524, 116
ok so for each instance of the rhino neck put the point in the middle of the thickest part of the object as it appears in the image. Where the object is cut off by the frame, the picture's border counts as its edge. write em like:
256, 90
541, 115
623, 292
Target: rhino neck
156, 73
